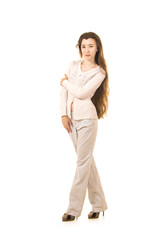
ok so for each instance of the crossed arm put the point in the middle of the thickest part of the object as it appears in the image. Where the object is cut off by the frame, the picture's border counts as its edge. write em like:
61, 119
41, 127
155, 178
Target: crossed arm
79, 92
87, 90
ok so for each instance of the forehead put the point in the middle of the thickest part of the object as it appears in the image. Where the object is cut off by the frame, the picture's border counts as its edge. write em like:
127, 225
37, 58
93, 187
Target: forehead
88, 41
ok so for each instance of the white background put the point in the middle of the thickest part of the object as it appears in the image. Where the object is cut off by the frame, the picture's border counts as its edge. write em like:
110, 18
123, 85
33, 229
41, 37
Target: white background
37, 158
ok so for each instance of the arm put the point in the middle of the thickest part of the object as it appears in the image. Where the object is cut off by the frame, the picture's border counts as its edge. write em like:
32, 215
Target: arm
63, 101
87, 90
64, 94
66, 121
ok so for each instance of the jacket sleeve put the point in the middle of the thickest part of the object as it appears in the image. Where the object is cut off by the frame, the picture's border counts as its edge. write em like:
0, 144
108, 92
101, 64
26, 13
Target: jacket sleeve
63, 101
64, 95
88, 89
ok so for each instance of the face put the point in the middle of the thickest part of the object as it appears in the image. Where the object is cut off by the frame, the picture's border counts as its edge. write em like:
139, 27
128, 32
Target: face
89, 49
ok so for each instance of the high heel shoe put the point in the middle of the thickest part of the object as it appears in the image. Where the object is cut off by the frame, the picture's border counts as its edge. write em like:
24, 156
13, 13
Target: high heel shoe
93, 215
67, 217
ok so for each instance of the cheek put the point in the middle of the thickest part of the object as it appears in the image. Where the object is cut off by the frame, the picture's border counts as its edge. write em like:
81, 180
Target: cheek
94, 51
82, 50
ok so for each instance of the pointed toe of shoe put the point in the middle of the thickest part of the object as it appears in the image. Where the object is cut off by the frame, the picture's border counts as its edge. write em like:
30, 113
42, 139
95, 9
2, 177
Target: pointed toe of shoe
94, 215
66, 217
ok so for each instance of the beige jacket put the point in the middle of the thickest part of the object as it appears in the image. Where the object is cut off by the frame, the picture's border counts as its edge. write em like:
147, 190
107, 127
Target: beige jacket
79, 89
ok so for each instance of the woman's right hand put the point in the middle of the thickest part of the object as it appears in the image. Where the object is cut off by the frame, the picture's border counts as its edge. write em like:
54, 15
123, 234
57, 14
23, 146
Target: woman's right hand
63, 79
66, 121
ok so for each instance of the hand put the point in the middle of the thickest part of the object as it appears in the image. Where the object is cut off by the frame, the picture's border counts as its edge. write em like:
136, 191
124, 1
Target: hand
65, 78
66, 121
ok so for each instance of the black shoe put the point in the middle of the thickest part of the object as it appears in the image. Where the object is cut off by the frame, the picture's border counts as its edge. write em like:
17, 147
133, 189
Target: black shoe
93, 215
66, 217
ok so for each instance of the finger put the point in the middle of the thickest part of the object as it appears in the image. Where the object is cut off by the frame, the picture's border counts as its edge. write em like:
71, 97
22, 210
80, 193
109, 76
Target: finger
67, 127
70, 130
71, 123
65, 75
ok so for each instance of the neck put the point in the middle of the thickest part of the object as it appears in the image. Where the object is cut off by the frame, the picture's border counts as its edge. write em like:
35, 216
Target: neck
88, 62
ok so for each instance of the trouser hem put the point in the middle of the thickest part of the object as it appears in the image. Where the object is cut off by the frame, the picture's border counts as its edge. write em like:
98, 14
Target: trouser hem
99, 209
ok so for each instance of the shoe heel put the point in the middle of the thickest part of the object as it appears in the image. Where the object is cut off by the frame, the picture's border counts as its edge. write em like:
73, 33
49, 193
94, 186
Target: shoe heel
103, 213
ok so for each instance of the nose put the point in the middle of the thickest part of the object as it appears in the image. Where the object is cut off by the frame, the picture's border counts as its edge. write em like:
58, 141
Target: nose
87, 50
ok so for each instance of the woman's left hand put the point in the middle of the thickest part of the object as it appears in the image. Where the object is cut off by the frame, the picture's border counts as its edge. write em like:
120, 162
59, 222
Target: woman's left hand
65, 78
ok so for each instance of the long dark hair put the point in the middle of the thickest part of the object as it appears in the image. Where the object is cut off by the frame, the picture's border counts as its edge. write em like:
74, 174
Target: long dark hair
100, 98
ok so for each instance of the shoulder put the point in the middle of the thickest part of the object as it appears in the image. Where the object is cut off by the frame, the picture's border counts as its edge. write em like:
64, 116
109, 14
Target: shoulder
74, 63
73, 66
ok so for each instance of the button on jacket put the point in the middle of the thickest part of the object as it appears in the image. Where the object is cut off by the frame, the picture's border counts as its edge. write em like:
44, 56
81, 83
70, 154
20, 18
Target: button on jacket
79, 89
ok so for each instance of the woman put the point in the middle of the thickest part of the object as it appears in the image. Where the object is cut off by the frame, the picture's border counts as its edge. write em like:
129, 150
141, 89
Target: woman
84, 100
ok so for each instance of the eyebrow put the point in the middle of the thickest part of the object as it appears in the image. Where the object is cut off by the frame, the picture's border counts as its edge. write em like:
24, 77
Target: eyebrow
88, 44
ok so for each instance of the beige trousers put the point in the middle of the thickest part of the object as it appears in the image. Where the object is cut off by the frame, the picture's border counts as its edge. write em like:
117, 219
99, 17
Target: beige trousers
86, 176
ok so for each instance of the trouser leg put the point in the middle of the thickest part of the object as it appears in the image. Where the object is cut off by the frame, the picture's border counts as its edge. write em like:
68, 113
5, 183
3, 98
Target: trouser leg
95, 191
84, 140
